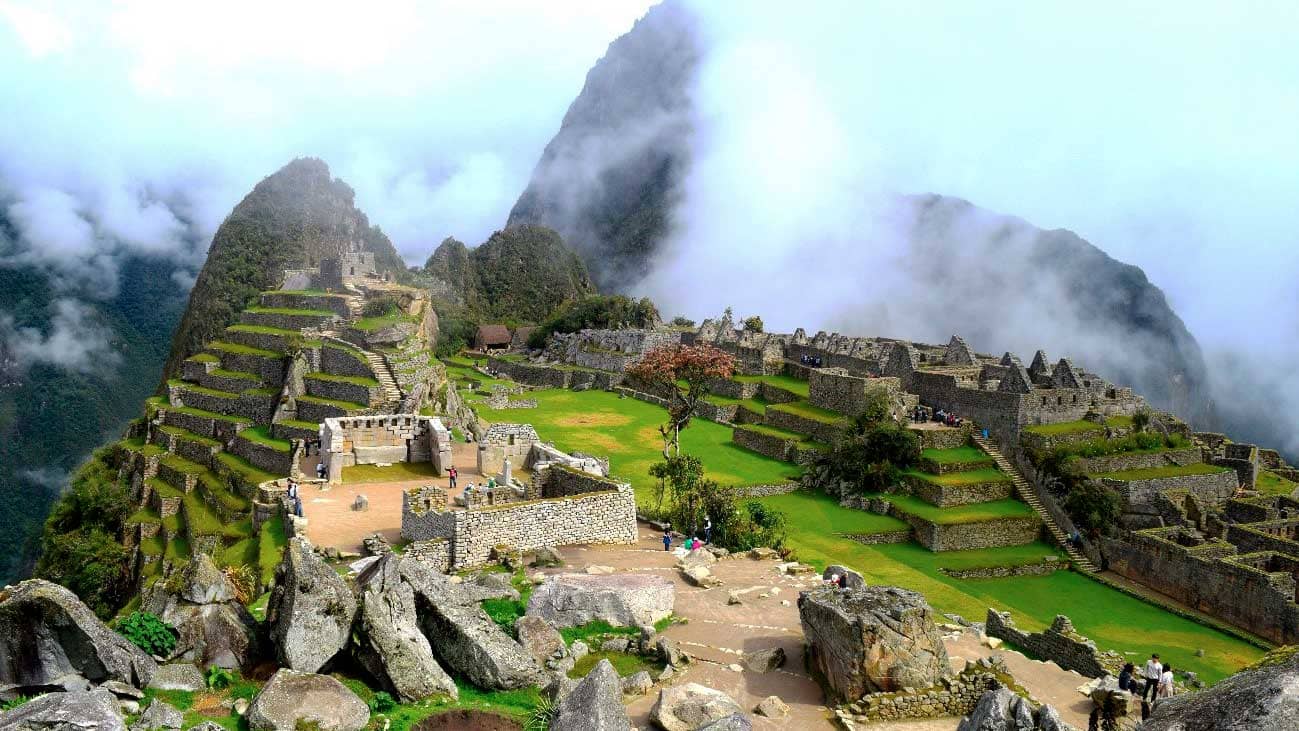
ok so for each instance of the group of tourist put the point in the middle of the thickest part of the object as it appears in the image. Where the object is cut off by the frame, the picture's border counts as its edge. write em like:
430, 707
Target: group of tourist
940, 416
693, 541
295, 495
811, 360
1158, 677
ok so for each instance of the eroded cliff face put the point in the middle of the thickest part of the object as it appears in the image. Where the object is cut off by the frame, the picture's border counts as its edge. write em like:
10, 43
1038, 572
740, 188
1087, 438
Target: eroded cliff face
291, 219
611, 180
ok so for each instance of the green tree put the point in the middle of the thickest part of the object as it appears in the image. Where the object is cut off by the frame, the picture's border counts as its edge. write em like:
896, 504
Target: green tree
596, 311
697, 366
1092, 506
753, 324
870, 452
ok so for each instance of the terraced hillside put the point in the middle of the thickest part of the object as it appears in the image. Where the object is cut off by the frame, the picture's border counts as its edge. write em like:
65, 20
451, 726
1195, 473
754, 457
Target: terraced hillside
204, 460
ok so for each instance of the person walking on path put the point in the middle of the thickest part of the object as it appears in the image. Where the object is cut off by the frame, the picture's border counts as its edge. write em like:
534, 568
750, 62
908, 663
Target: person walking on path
1154, 671
451, 473
708, 530
667, 540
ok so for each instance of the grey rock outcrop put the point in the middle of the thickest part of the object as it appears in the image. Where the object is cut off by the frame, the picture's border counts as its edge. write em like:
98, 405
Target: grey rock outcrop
622, 600
877, 639
213, 627
542, 641
177, 676
94, 710
692, 706
1261, 698
594, 705
390, 644
461, 634
311, 610
1003, 710
763, 661
49, 638
291, 698
733, 722
159, 715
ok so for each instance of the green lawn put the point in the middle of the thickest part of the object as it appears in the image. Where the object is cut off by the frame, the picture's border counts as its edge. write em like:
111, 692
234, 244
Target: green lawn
1068, 427
788, 383
626, 430
1270, 483
808, 411
262, 435
1155, 473
238, 349
1113, 619
821, 510
392, 473
959, 455
288, 311
968, 477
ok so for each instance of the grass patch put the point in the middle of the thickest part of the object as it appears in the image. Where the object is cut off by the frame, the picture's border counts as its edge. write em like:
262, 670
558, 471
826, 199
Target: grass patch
153, 546
248, 472
796, 386
203, 358
959, 455
237, 375
311, 425
586, 631
195, 388
626, 430
200, 519
1067, 427
397, 472
388, 319
262, 435
139, 446
1156, 473
819, 509
968, 477
144, 515
1270, 483
625, 664
200, 413
270, 548
240, 349
345, 405
354, 380
180, 464
1114, 620
177, 549
289, 311
263, 330
189, 436
976, 513
813, 413
164, 489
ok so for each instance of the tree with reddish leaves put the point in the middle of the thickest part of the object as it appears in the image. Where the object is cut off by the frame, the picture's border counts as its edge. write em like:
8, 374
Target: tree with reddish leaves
667, 368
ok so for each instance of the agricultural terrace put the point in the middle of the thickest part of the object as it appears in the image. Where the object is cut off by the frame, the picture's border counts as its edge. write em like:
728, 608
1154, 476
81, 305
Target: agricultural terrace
626, 431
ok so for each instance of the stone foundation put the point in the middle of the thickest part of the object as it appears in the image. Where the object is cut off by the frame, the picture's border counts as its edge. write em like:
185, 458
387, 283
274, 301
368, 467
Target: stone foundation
947, 496
1060, 643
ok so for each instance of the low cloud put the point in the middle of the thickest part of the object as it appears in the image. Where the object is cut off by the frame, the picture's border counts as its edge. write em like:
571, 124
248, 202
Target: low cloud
73, 340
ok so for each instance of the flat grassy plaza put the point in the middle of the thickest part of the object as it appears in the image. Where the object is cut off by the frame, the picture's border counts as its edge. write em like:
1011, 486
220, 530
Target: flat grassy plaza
626, 430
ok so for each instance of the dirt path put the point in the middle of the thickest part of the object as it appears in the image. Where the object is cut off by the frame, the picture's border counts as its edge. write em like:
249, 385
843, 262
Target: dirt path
718, 634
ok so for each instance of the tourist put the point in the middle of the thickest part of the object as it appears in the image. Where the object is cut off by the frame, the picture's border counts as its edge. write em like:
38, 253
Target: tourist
1126, 681
708, 530
1166, 682
667, 540
320, 470
491, 483
293, 489
1154, 671
452, 474
833, 580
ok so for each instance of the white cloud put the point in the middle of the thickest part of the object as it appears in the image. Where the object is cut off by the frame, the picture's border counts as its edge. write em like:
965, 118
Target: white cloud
73, 340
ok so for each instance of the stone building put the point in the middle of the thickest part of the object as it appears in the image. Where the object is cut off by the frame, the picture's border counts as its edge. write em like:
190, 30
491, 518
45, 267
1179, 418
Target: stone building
383, 439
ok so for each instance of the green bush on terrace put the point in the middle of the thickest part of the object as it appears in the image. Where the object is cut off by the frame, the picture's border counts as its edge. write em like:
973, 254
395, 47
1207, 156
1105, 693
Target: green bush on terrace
1130, 444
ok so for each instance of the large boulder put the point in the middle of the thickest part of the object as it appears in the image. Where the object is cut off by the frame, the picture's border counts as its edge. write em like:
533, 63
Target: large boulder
1003, 710
159, 715
622, 600
594, 705
390, 644
213, 627
48, 638
292, 698
93, 710
311, 610
1264, 697
541, 640
876, 639
691, 706
461, 634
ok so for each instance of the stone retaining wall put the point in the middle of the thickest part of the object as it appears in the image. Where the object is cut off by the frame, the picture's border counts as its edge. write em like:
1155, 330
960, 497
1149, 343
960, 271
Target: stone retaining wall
954, 698
1212, 488
775, 394
1121, 462
264, 341
257, 407
340, 360
818, 430
876, 539
229, 384
269, 370
1048, 565
946, 468
964, 536
1060, 643
263, 457
283, 320
343, 391
204, 426
767, 445
336, 303
728, 388
527, 373
756, 491
947, 496
943, 438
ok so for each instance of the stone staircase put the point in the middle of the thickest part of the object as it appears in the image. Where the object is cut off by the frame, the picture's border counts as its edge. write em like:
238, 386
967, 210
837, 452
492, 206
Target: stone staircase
1028, 494
387, 382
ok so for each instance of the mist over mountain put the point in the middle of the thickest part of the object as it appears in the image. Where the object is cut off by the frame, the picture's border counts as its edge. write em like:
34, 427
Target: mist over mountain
757, 162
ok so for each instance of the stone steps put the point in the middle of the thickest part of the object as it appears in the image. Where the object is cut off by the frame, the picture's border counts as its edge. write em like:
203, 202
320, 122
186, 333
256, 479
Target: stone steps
1028, 494
387, 381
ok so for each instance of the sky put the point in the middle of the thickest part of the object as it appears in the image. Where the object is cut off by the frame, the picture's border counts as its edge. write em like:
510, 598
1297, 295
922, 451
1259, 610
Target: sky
1165, 133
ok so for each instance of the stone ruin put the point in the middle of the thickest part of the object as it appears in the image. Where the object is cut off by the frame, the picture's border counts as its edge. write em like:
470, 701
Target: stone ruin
384, 439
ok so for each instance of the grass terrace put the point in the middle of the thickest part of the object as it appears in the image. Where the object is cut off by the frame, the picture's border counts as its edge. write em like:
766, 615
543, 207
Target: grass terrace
139, 446
164, 489
354, 380
263, 330
1270, 483
189, 436
388, 319
794, 385
959, 455
204, 358
270, 548
808, 411
262, 436
1066, 427
1158, 473
976, 513
245, 469
210, 414
194, 387
180, 464
288, 311
968, 477
304, 292
238, 349
345, 405
397, 472
200, 519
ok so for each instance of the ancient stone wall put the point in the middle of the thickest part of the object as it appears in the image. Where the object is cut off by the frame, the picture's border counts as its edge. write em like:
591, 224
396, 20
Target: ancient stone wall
763, 443
285, 320
1212, 488
821, 431
965, 536
386, 439
530, 374
594, 517
1121, 462
1239, 589
1060, 643
943, 437
262, 456
343, 360
355, 393
947, 496
336, 303
269, 370
950, 700
425, 517
505, 441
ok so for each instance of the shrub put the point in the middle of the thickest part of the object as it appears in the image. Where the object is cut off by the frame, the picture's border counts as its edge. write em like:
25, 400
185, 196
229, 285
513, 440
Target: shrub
219, 678
596, 311
1092, 507
379, 306
542, 715
680, 321
753, 324
149, 633
13, 703
382, 702
869, 455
